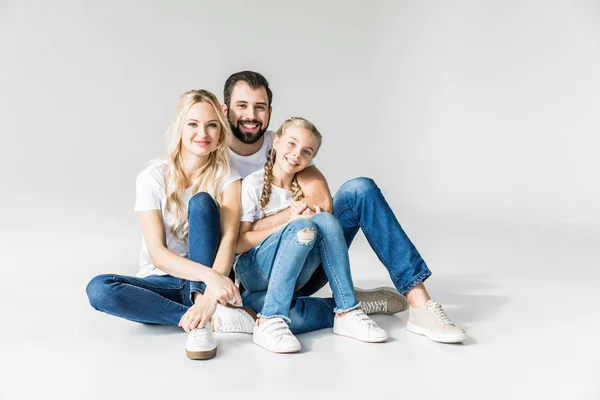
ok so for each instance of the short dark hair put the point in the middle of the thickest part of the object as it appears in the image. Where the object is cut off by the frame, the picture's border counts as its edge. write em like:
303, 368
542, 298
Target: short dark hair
253, 79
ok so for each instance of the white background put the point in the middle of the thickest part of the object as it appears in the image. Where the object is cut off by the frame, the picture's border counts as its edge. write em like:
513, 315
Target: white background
478, 119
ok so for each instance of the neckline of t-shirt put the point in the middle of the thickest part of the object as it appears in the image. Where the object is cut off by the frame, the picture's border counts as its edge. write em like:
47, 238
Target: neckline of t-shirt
258, 152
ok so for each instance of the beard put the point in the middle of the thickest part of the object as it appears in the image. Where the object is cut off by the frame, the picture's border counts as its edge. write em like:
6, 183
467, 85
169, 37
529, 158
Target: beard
247, 138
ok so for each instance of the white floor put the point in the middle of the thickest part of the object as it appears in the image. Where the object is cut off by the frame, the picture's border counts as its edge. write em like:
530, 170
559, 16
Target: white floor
527, 300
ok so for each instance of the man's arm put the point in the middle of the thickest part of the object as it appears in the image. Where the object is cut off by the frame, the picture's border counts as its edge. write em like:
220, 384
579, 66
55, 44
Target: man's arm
316, 191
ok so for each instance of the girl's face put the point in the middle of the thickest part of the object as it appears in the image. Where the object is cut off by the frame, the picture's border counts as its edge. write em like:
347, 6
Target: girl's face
201, 131
294, 149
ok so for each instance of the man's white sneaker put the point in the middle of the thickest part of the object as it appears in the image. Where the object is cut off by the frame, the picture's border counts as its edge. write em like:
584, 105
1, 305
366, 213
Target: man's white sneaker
431, 320
274, 335
381, 300
356, 324
201, 343
233, 319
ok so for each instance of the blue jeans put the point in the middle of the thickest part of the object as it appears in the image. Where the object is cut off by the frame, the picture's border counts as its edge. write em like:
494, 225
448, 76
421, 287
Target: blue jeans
358, 204
284, 262
162, 299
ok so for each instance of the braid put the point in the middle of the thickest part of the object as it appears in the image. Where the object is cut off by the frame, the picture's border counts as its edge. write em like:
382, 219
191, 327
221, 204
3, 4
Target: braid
266, 192
297, 193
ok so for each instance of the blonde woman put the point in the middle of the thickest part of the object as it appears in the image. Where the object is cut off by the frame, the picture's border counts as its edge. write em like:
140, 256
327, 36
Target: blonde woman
189, 205
280, 260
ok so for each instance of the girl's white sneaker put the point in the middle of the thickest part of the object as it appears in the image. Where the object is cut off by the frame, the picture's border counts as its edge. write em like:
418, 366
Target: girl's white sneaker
275, 335
356, 324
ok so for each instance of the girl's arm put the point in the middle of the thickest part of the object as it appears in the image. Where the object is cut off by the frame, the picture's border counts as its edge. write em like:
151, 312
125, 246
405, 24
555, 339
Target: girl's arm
316, 191
248, 238
230, 213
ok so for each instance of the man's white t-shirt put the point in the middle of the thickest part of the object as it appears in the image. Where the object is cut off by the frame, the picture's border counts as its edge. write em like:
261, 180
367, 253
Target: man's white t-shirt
245, 165
151, 195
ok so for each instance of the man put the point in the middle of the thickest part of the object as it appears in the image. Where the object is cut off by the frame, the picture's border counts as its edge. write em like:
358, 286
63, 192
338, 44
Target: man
358, 204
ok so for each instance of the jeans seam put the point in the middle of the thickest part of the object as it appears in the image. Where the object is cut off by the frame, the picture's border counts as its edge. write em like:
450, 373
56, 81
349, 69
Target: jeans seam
337, 283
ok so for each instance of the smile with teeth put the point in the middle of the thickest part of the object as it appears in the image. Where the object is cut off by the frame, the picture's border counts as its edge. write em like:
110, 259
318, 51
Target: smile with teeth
290, 162
249, 125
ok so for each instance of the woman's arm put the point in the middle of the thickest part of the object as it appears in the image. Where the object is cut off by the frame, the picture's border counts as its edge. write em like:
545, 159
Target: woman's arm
316, 192
230, 213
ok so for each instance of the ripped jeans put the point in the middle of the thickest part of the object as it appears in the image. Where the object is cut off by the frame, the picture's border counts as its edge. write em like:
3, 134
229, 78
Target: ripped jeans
284, 262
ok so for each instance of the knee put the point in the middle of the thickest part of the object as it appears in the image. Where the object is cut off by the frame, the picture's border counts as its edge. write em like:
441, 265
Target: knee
201, 204
97, 290
326, 222
359, 185
304, 231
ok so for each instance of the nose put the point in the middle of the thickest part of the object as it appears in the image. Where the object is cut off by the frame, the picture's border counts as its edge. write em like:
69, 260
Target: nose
251, 113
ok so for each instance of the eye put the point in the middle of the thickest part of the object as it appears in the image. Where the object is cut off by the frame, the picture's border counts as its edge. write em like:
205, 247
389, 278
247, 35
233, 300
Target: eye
292, 144
242, 106
307, 152
261, 108
212, 125
192, 124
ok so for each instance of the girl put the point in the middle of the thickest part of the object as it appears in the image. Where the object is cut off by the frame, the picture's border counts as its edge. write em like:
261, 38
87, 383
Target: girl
280, 260
189, 206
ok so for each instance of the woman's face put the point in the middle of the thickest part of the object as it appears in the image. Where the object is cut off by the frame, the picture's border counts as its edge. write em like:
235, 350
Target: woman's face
294, 149
201, 131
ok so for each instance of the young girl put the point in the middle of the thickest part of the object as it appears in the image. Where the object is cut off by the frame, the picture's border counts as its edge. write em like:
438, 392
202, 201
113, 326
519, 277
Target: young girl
280, 260
189, 206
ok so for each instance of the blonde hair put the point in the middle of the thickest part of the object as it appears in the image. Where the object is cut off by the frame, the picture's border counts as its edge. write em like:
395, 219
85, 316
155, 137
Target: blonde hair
207, 178
297, 193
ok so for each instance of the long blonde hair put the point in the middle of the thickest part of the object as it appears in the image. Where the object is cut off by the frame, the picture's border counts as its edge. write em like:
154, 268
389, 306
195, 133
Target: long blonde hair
297, 193
207, 178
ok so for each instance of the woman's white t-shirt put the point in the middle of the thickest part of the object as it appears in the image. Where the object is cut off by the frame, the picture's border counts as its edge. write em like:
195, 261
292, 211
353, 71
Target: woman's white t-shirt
151, 195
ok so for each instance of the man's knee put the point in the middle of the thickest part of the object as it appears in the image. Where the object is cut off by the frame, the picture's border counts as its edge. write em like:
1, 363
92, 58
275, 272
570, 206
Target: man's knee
359, 185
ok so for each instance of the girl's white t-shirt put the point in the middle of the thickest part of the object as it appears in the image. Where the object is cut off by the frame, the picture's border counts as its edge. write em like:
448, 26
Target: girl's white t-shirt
151, 195
252, 190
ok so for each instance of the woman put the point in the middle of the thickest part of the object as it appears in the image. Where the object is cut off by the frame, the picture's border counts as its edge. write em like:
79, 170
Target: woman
189, 207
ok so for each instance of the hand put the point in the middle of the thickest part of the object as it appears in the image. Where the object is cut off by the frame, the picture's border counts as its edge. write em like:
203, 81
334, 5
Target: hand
297, 208
308, 213
198, 314
222, 289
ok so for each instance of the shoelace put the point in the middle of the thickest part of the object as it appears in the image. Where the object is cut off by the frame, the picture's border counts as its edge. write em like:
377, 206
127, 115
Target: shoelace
234, 325
361, 317
438, 312
370, 307
277, 328
200, 333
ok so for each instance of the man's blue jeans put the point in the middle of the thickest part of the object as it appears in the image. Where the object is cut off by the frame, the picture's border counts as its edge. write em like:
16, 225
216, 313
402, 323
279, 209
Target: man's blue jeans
358, 204
162, 299
284, 262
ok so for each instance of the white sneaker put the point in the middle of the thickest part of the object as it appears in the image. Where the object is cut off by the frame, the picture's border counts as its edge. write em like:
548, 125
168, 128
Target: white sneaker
274, 335
431, 320
233, 319
356, 324
201, 343
381, 300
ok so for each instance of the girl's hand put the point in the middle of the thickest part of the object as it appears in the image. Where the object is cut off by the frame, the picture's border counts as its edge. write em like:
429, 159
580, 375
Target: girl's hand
222, 289
198, 314
297, 208
309, 213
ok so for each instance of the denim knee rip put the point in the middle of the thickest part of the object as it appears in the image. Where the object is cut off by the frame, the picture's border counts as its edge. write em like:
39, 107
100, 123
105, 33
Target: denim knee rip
305, 236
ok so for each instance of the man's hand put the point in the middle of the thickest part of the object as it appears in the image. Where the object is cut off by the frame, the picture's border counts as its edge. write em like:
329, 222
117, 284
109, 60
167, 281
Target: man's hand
198, 314
297, 208
222, 289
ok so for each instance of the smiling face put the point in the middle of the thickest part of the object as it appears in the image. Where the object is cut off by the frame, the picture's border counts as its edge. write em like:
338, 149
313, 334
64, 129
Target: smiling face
248, 112
201, 131
294, 150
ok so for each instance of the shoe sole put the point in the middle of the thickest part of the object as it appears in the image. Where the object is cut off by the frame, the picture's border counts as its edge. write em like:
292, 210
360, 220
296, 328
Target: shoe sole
201, 355
280, 351
441, 338
399, 301
362, 340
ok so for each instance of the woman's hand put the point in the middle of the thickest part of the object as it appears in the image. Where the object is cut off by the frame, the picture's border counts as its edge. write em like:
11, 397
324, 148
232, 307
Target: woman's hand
297, 208
198, 314
222, 289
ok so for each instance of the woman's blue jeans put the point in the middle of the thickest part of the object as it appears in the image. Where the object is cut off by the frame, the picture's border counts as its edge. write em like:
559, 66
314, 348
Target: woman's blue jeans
162, 299
284, 262
358, 204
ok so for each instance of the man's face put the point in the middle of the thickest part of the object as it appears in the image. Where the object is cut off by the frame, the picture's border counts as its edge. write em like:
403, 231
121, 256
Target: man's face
249, 112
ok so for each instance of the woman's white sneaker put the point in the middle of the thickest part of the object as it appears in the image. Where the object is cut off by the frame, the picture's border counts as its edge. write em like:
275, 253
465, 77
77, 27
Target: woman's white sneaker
201, 343
233, 319
356, 324
431, 320
274, 335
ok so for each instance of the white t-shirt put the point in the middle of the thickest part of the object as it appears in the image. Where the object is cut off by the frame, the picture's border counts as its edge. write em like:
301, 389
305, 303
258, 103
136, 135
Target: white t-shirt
151, 195
251, 191
246, 165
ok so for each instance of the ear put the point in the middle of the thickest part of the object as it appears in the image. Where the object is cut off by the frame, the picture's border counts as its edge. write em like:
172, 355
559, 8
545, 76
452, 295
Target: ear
275, 142
224, 108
